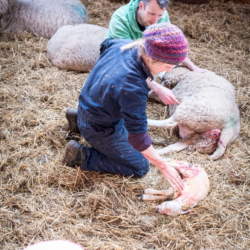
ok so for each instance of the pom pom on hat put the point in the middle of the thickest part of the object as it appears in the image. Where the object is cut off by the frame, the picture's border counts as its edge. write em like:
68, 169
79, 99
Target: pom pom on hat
166, 43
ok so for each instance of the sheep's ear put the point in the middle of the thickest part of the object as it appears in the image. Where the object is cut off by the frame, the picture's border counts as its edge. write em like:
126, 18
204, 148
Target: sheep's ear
185, 212
161, 75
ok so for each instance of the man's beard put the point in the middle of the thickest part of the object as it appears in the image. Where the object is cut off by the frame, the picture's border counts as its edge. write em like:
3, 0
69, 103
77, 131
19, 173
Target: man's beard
142, 22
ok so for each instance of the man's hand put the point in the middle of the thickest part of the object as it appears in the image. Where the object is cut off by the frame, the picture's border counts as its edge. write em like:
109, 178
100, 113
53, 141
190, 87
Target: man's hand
199, 70
190, 65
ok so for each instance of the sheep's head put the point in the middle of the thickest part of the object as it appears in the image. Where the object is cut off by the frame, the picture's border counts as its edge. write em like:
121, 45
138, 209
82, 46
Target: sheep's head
170, 208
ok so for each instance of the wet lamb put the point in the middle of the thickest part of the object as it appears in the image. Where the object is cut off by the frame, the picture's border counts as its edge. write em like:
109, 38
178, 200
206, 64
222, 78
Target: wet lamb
76, 47
196, 188
42, 17
208, 117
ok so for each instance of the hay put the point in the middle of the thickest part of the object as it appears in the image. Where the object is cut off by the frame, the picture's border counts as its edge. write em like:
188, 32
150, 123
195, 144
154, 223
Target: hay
43, 200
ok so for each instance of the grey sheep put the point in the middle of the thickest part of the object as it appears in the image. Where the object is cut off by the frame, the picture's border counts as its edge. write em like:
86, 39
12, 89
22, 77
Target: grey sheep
76, 47
41, 17
4, 6
207, 111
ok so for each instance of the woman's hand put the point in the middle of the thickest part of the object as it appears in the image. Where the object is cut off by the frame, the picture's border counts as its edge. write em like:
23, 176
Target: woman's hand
169, 173
166, 95
172, 176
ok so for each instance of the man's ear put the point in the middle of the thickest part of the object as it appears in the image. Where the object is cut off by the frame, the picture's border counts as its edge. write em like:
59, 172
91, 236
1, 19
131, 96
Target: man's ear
141, 5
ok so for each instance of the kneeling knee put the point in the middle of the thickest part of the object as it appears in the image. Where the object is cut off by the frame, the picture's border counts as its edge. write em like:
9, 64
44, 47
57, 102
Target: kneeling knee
141, 172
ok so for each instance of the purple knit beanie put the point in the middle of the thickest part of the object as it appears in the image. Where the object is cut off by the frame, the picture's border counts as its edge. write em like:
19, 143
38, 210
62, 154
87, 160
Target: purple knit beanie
166, 43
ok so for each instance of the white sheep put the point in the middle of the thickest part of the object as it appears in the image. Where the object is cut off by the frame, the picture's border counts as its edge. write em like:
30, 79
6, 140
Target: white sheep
76, 47
207, 112
42, 17
55, 245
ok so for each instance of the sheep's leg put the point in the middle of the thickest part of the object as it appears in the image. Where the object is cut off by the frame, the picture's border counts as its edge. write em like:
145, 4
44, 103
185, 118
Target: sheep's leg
228, 135
151, 197
178, 146
166, 192
168, 123
153, 194
187, 201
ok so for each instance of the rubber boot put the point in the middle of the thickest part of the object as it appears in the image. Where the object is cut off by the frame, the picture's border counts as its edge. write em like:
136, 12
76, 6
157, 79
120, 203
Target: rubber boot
71, 116
75, 154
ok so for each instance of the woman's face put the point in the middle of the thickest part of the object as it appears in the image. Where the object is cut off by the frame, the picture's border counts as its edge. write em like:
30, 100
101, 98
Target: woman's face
157, 67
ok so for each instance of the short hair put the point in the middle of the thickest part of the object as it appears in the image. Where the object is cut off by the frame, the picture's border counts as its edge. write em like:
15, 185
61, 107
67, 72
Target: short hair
162, 3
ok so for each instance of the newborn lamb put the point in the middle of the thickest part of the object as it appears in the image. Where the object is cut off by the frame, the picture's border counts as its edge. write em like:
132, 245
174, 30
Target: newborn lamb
208, 117
196, 188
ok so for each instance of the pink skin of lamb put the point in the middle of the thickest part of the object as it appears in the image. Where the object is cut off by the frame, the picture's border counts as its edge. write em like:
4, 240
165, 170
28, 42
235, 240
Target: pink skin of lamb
196, 188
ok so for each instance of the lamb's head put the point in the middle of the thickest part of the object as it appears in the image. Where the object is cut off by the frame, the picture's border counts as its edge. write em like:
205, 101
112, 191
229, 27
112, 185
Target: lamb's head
188, 170
213, 134
205, 143
170, 208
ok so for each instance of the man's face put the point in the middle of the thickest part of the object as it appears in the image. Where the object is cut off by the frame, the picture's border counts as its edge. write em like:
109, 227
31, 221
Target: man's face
149, 14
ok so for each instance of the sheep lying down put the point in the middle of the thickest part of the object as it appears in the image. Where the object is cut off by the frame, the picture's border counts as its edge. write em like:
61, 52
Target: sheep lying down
41, 17
196, 188
76, 47
208, 117
4, 6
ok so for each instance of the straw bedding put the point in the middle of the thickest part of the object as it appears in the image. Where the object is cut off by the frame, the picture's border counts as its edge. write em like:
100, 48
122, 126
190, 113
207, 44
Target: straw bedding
40, 199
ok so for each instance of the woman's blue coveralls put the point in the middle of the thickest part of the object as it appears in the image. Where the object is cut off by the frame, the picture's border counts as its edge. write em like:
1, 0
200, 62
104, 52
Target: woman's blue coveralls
112, 110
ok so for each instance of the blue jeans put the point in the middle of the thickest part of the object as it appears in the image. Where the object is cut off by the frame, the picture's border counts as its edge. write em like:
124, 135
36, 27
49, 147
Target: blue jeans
110, 152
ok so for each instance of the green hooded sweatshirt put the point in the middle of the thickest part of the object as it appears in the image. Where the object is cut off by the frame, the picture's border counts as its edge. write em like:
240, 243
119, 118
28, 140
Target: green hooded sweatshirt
123, 24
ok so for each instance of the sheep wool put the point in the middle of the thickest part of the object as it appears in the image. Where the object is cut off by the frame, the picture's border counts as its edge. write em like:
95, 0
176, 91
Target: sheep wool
207, 107
42, 17
76, 47
4, 6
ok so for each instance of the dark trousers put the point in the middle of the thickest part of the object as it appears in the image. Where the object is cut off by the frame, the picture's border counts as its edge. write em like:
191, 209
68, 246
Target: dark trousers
110, 152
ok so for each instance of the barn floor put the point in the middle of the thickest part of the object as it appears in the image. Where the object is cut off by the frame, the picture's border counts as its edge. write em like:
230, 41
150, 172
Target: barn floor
40, 199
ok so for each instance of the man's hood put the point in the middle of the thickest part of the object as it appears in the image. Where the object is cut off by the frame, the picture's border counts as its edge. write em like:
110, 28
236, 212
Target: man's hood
132, 6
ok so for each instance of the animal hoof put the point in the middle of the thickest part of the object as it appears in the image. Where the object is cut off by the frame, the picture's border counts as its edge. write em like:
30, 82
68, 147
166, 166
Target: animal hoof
143, 191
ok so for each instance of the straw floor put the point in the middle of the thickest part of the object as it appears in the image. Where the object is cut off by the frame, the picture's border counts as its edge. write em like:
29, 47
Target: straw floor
40, 199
